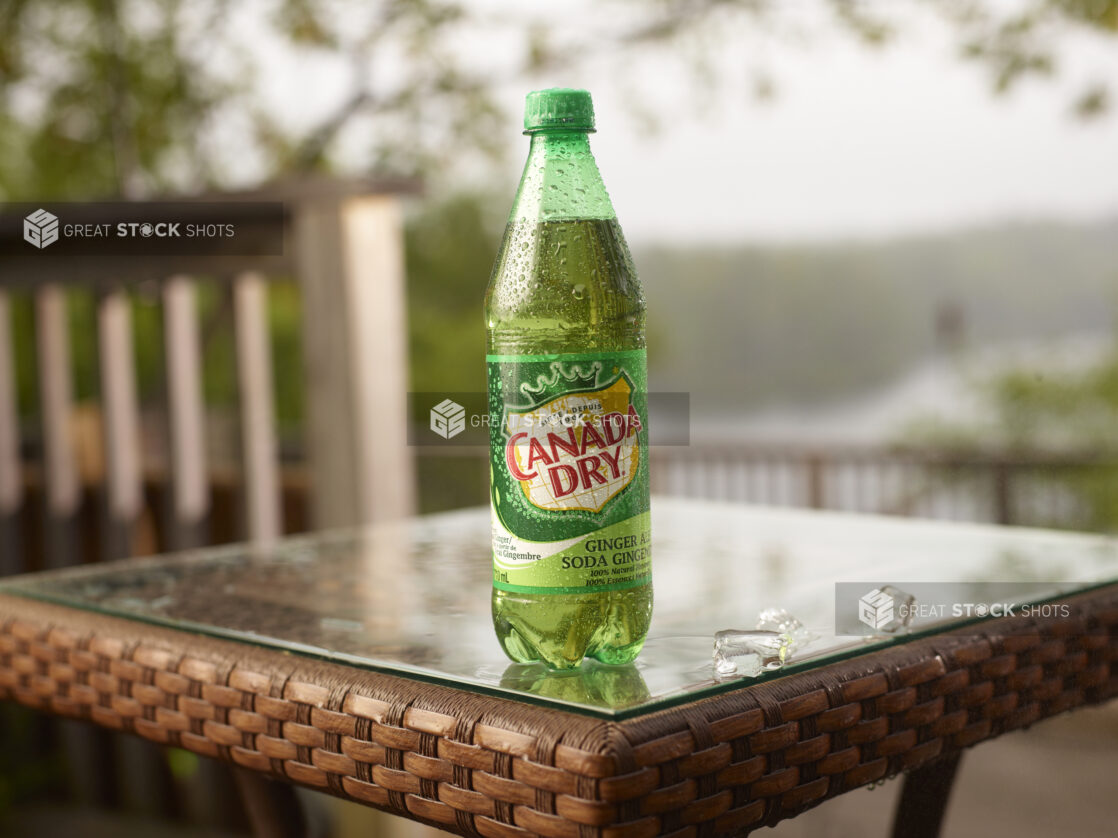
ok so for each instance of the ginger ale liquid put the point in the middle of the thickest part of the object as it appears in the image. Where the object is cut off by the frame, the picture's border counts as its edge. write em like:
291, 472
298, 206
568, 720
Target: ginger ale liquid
568, 409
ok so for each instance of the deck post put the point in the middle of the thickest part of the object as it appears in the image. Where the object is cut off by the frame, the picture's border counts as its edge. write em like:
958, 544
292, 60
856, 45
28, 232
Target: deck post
350, 263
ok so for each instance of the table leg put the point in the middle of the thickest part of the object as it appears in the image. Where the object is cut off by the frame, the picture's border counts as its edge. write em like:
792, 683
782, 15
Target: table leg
273, 809
923, 801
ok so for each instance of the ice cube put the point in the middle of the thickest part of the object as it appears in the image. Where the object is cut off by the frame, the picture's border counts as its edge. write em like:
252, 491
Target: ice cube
779, 620
749, 653
747, 665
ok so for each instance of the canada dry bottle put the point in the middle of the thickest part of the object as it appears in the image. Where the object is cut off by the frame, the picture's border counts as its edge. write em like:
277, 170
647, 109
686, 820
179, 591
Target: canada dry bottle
568, 408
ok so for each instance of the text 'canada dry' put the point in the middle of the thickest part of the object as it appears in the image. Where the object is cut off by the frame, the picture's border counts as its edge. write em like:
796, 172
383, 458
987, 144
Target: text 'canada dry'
572, 569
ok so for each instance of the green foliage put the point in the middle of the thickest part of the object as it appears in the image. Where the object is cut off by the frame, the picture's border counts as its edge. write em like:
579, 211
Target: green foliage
1102, 14
137, 97
1020, 41
450, 252
285, 321
111, 97
101, 98
1076, 411
1071, 415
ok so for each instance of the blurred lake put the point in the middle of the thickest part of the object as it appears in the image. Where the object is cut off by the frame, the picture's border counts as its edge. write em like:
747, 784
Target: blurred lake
948, 388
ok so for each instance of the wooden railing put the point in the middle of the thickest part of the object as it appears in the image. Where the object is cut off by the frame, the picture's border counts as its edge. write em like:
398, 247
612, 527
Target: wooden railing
344, 250
1023, 488
998, 487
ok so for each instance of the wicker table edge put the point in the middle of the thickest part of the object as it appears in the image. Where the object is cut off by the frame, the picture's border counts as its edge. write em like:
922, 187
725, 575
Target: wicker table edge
475, 764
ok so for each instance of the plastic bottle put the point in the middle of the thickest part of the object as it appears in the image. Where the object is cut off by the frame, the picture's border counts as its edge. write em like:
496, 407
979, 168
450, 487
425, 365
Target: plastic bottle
568, 408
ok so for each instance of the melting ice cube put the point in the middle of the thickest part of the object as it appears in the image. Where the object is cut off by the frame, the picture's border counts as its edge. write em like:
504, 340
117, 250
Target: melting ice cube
739, 653
749, 653
779, 620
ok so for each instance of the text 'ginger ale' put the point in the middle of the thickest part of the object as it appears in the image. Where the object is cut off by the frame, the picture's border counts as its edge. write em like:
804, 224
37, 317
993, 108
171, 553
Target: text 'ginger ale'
568, 408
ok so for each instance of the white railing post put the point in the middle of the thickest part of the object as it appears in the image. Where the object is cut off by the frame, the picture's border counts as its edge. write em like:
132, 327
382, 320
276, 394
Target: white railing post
121, 424
256, 394
351, 269
62, 489
189, 504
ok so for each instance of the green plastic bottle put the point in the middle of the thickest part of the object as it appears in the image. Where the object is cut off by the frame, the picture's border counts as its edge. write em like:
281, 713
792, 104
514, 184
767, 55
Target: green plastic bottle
568, 409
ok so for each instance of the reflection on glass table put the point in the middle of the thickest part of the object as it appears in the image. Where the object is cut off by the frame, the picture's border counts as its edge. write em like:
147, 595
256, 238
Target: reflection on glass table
413, 598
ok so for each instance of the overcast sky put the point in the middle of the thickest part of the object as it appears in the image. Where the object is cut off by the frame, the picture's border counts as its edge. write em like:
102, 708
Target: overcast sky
857, 142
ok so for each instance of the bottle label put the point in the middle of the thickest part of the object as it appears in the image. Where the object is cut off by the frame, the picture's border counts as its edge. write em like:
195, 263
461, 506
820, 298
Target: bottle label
569, 465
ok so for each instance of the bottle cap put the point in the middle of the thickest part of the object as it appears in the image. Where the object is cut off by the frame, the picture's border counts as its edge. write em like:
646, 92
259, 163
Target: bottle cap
559, 107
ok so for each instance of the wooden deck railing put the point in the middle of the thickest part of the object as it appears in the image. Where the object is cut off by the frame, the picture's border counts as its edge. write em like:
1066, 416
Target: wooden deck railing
1027, 488
343, 248
1022, 488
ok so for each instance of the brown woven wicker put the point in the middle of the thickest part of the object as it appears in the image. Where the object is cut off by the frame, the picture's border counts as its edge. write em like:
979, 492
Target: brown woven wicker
478, 765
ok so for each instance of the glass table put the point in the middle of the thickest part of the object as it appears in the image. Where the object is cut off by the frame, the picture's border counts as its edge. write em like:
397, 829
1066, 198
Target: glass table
364, 663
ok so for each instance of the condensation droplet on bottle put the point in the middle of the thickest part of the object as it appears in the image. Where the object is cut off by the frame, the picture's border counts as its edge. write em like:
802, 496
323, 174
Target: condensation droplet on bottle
578, 291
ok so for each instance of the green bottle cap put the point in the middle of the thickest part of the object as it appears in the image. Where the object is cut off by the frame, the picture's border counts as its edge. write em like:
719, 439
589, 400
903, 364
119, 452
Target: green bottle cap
559, 107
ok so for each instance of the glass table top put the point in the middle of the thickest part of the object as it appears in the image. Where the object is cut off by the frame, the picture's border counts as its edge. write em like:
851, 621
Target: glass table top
412, 598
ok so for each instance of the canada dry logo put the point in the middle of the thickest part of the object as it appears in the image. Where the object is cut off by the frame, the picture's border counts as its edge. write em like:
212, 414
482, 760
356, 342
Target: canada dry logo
876, 609
448, 419
40, 228
577, 450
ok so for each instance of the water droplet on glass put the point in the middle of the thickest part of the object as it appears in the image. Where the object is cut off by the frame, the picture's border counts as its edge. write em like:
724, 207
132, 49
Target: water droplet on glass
578, 291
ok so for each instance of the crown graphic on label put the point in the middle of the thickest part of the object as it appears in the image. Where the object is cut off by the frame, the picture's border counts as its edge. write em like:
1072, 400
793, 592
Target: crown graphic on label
563, 378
